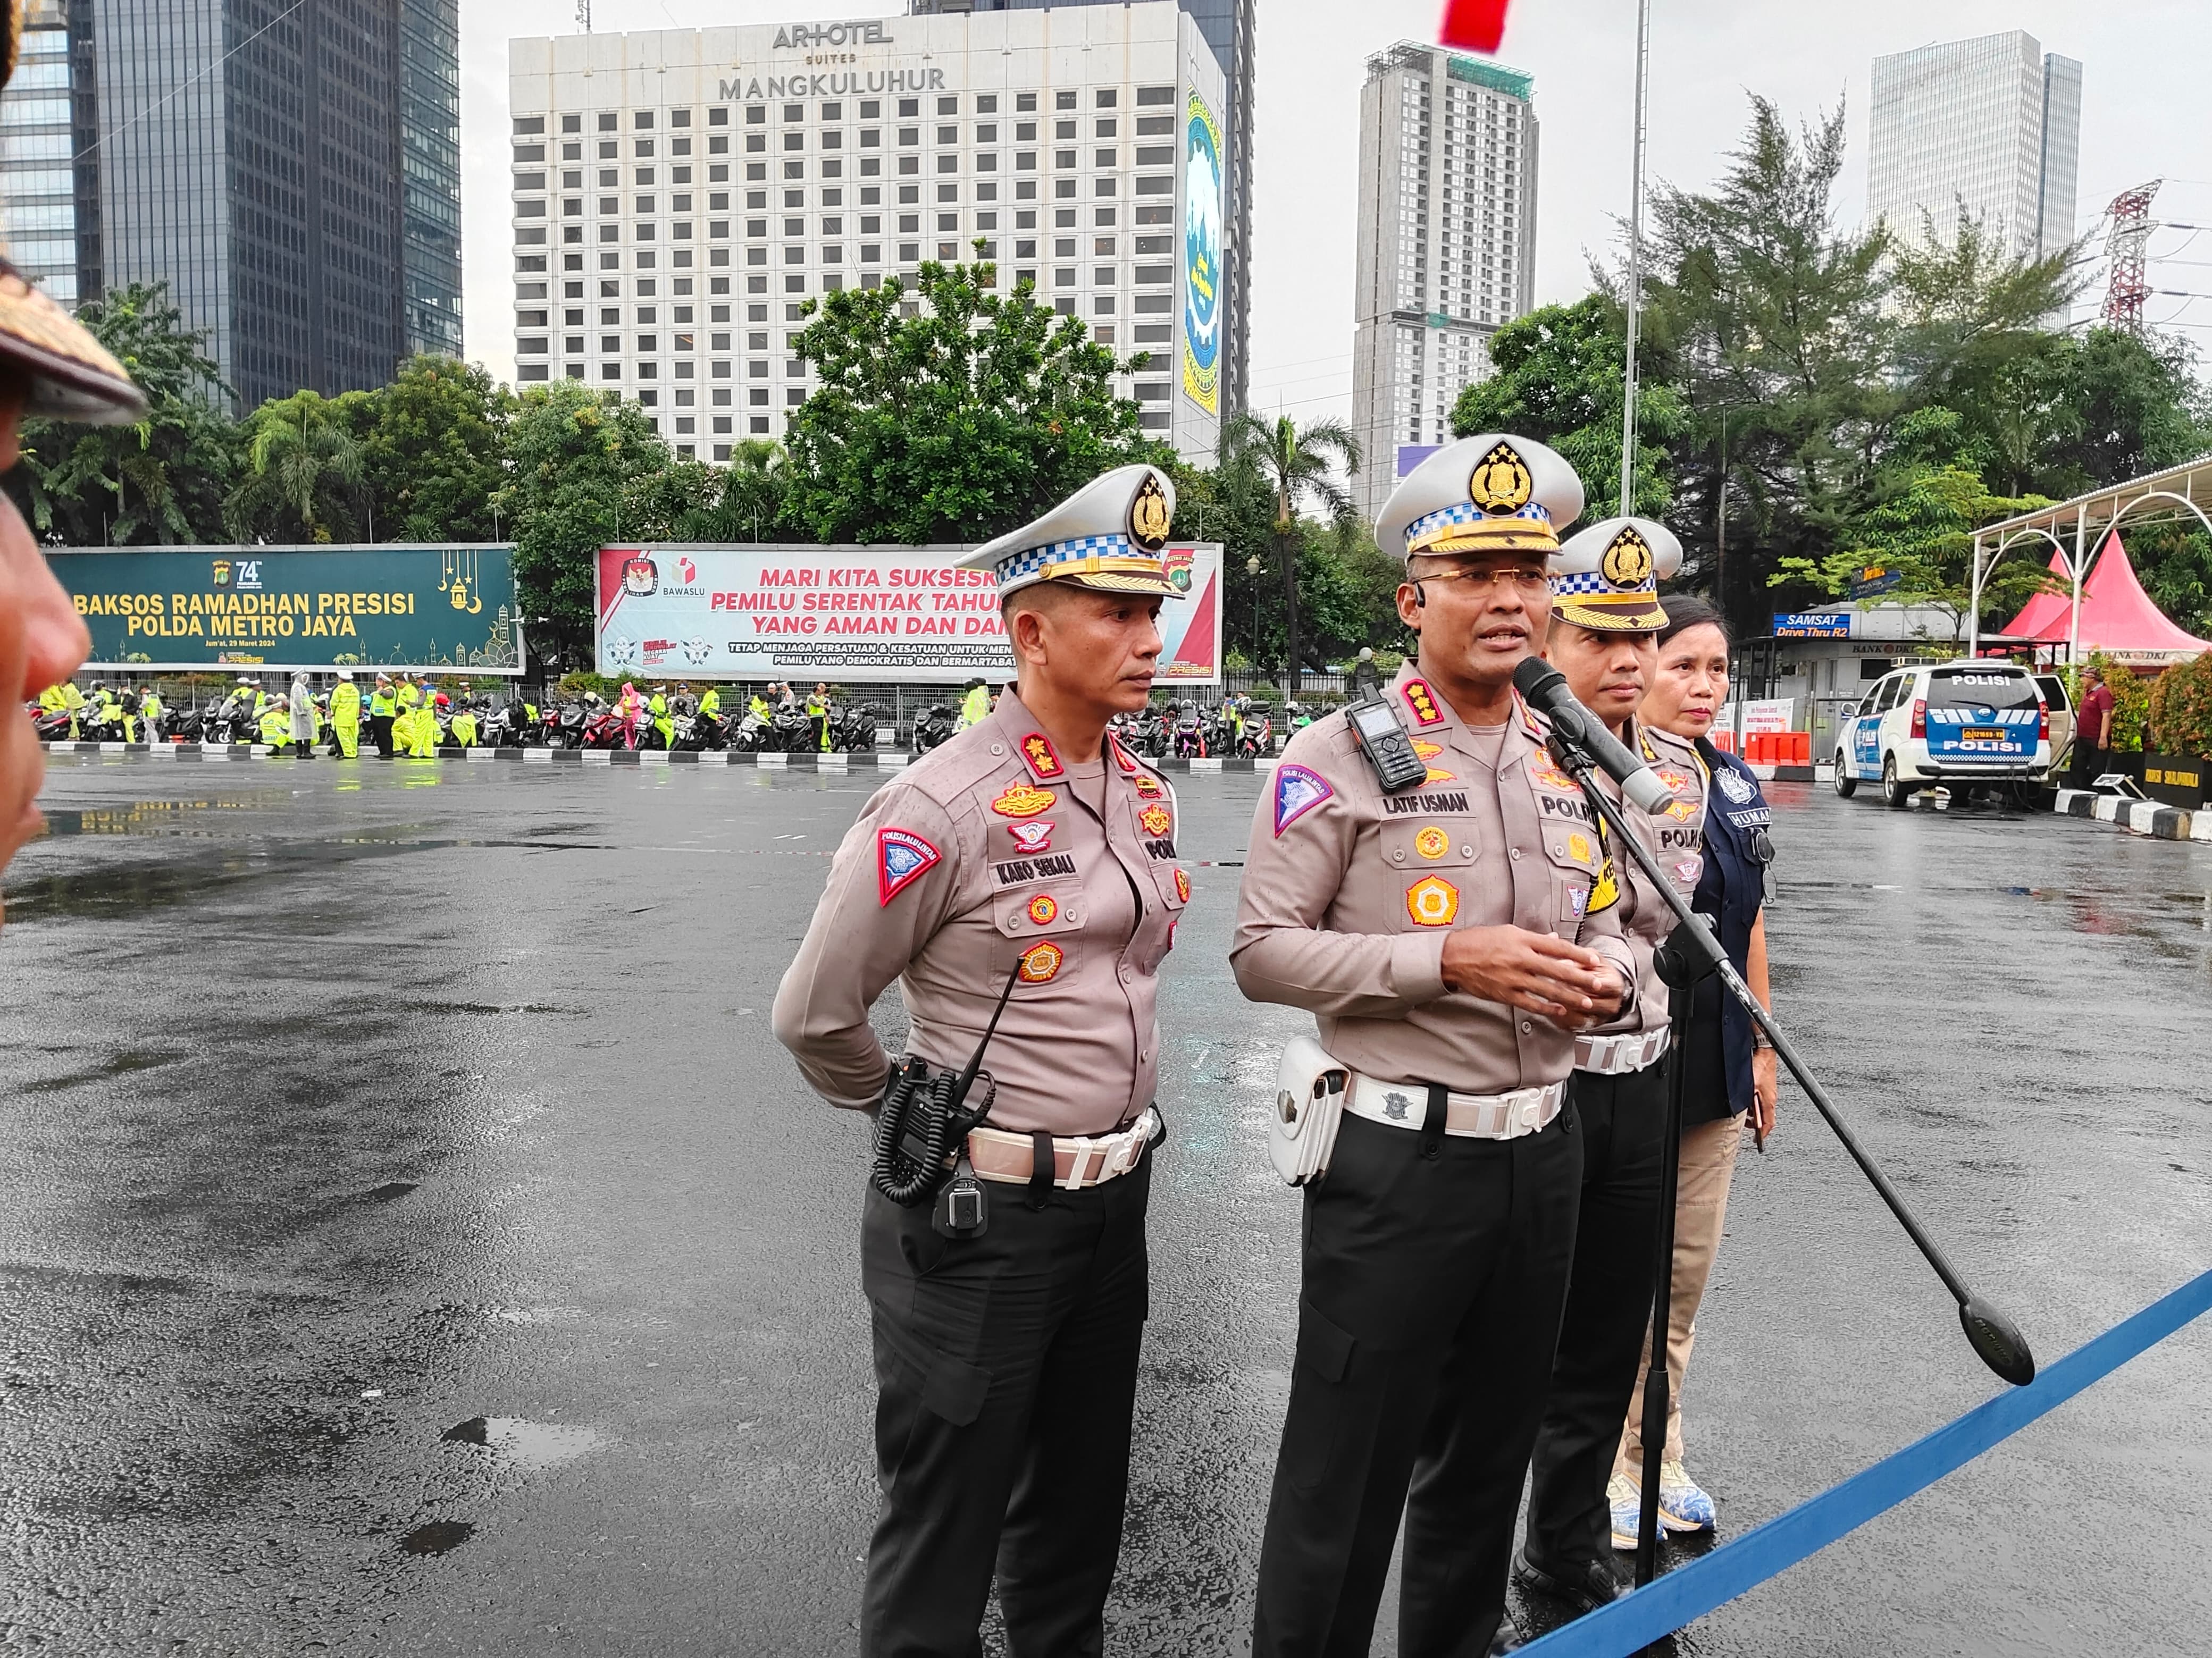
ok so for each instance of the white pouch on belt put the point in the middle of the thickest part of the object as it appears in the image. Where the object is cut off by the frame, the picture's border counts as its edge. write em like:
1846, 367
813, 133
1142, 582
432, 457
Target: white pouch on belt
1309, 1088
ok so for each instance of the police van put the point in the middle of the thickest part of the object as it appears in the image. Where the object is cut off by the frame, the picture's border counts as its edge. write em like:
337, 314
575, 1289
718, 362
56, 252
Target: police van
1961, 724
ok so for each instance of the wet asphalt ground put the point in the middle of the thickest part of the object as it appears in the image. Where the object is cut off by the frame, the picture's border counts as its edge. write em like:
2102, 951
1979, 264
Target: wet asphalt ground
415, 1241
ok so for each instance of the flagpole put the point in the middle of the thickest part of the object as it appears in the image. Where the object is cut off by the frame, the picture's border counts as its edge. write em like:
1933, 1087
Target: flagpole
1635, 262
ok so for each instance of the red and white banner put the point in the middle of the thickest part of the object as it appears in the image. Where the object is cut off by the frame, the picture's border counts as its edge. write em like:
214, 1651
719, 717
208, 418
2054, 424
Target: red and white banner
1472, 25
850, 614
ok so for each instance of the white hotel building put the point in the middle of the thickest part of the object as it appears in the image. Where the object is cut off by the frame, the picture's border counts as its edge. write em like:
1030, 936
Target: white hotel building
679, 194
1446, 249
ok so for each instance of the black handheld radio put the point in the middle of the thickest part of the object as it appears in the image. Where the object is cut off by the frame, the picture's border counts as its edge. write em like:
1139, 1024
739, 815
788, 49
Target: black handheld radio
1375, 724
923, 1119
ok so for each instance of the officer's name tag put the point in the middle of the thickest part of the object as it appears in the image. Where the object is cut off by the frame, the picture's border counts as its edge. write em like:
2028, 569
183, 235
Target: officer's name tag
1429, 803
1032, 869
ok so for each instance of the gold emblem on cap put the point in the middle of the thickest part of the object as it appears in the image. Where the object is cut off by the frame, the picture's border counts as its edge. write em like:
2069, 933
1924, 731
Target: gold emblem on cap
1500, 481
1627, 562
1148, 515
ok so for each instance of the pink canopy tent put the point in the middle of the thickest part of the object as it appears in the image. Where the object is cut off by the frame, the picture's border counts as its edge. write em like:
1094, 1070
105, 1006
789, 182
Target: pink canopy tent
2118, 616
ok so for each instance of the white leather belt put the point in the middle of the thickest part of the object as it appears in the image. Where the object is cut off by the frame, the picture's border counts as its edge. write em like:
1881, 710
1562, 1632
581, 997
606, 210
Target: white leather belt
1470, 1116
1077, 1160
1616, 1056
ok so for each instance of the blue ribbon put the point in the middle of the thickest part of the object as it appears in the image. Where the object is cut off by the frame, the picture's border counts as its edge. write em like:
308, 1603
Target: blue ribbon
1661, 1607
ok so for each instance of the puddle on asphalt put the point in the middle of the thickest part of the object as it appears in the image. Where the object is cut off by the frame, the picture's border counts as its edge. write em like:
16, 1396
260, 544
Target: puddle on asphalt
391, 1192
438, 1537
524, 1444
122, 1065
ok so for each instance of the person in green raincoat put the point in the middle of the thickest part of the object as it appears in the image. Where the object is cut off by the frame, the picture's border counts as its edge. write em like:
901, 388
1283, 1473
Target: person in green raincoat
345, 716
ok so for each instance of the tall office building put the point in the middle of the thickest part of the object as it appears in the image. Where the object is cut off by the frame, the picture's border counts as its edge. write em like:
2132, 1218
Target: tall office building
1447, 245
1228, 28
38, 188
1992, 125
291, 170
680, 194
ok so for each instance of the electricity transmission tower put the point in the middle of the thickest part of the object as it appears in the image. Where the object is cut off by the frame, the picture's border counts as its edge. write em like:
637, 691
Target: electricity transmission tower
2127, 287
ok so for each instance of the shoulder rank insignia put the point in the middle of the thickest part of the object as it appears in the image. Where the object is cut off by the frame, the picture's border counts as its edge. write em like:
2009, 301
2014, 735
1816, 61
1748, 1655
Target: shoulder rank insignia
1023, 800
1043, 762
1120, 755
1156, 820
902, 858
1423, 701
1297, 791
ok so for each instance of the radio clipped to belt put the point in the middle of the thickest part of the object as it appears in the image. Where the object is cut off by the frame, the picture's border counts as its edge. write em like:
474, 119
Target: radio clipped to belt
923, 1122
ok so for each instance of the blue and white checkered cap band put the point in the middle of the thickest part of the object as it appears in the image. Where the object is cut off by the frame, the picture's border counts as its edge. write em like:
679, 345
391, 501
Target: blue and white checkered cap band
1585, 581
1064, 552
1465, 512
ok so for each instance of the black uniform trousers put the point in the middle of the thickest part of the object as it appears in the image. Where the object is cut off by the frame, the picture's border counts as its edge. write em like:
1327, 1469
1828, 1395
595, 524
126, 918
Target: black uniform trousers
1006, 1376
1623, 1122
379, 733
1434, 1270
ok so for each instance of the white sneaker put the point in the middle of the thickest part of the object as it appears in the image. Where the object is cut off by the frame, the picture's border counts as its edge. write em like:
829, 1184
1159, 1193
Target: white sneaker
1683, 1504
1626, 1502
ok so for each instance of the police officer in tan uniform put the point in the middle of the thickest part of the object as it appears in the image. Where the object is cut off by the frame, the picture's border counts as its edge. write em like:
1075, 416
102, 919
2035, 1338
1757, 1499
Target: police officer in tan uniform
1606, 617
1452, 936
1030, 846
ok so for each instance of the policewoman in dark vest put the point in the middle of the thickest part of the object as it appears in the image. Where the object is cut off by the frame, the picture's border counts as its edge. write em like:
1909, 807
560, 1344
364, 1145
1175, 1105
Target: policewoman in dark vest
1729, 1072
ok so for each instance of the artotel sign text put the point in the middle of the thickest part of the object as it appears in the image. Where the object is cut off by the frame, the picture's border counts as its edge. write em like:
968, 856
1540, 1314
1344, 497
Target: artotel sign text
806, 36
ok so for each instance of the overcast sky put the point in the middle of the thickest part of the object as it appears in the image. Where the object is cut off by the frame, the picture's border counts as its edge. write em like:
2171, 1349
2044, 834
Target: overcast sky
2143, 117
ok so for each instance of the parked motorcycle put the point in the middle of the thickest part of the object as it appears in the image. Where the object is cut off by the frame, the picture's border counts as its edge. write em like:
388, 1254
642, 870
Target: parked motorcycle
853, 729
52, 726
1189, 742
932, 727
748, 733
1259, 738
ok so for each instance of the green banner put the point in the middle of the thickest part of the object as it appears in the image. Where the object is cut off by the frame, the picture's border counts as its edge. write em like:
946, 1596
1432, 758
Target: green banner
400, 604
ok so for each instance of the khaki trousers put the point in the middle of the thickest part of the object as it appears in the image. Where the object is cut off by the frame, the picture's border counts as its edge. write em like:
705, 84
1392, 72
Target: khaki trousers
1709, 1152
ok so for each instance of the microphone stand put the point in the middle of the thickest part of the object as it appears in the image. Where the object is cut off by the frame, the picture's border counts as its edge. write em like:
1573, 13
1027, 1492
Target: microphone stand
1992, 1335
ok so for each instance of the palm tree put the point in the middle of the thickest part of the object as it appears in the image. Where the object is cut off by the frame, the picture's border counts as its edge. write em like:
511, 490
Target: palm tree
1298, 464
301, 460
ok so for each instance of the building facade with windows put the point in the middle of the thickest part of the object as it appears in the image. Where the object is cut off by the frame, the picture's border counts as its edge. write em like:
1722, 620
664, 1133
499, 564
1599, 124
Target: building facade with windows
1228, 27
679, 195
1446, 250
38, 174
1992, 127
293, 174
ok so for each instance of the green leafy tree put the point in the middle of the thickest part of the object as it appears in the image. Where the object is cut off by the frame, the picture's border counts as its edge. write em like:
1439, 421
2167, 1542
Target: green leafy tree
691, 501
433, 453
1559, 380
953, 414
2134, 405
1297, 467
572, 454
2179, 714
304, 470
1779, 342
160, 481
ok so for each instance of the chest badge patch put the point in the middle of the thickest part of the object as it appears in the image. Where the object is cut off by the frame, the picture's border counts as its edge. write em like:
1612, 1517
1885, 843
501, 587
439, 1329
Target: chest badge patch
1687, 871
1182, 885
1042, 910
1682, 810
1431, 841
1156, 820
902, 858
1733, 784
1149, 788
1043, 761
1297, 791
1542, 769
1439, 774
1427, 750
1578, 847
1041, 963
1023, 800
1674, 781
1423, 701
1432, 902
1031, 837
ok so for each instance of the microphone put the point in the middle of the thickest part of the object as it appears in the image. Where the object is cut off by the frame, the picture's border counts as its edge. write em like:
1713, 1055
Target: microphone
1543, 686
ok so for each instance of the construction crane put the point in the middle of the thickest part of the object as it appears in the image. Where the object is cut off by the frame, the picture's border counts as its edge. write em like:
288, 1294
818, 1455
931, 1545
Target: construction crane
584, 21
2126, 245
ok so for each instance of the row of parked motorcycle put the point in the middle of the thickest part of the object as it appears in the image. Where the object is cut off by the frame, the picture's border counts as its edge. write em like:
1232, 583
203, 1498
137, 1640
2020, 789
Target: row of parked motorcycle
1180, 730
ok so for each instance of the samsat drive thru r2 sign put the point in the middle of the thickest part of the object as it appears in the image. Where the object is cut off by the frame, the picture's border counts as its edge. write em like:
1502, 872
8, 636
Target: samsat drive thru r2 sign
850, 613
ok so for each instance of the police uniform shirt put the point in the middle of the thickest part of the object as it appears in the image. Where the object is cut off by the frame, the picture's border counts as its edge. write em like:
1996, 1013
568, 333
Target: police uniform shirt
1349, 892
1674, 836
989, 856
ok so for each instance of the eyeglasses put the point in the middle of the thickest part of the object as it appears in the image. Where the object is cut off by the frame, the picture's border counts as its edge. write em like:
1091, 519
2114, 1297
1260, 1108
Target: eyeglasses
1527, 583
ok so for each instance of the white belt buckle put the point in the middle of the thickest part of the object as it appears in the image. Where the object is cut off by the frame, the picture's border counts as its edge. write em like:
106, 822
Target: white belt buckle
1085, 1146
1531, 1109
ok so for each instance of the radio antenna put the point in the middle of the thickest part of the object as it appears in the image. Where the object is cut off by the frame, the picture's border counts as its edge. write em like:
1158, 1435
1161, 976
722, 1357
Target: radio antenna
584, 15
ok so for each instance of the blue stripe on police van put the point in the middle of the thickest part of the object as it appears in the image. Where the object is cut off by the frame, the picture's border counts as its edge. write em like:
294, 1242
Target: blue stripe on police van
1636, 1620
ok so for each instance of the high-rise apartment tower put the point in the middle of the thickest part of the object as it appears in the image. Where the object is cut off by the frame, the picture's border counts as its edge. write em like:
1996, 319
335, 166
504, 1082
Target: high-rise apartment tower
1228, 27
291, 170
1991, 126
1447, 245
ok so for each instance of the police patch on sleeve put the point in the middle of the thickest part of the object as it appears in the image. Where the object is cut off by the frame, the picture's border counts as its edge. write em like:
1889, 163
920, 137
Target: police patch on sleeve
1297, 791
902, 858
